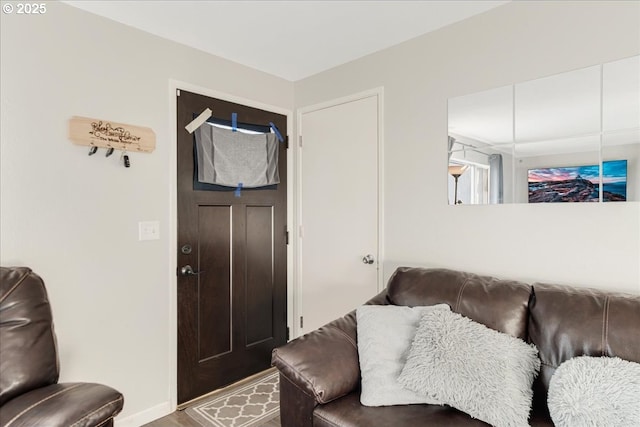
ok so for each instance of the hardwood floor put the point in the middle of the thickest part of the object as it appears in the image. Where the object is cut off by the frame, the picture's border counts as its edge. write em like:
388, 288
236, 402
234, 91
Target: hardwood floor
180, 419
177, 419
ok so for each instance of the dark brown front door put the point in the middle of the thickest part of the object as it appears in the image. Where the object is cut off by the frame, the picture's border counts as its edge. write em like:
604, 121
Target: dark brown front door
232, 309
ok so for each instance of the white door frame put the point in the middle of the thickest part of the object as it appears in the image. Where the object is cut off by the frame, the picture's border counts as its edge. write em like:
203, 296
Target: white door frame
379, 92
173, 214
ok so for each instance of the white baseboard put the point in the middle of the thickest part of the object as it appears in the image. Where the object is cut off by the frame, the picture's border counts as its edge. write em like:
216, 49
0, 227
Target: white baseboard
144, 417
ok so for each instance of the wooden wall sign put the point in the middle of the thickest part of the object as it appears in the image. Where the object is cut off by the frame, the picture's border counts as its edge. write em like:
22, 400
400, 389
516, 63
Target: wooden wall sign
106, 134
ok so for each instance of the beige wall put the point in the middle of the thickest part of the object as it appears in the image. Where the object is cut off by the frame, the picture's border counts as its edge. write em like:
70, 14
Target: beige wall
581, 244
74, 218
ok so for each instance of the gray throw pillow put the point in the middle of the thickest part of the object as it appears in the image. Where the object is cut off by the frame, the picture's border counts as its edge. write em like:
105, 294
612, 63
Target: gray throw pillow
385, 333
480, 371
595, 391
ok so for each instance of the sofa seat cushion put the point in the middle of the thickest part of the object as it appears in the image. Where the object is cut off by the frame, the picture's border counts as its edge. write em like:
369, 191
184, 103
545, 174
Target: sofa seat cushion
347, 411
68, 404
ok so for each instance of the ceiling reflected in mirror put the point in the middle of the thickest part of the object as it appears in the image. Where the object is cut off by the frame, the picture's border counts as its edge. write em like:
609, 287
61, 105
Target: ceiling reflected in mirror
583, 118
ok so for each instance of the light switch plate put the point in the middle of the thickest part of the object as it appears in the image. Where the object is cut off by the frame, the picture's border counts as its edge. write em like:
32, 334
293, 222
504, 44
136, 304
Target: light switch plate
148, 230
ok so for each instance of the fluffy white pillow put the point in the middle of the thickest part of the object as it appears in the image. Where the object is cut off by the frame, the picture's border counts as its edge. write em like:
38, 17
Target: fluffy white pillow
480, 371
385, 333
595, 391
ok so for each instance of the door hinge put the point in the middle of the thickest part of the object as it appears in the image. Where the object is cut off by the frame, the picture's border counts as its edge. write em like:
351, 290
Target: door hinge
301, 322
288, 336
286, 142
286, 237
177, 92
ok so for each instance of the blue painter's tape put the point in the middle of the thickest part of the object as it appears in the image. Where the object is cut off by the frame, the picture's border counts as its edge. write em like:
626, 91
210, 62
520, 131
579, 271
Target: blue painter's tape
238, 191
276, 131
234, 121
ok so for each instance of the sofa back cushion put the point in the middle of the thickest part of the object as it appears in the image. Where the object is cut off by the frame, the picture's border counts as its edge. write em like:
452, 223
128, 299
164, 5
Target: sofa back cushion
499, 304
566, 322
28, 356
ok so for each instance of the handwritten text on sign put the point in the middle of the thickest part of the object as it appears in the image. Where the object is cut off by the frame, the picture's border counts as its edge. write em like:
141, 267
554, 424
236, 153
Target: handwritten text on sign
102, 133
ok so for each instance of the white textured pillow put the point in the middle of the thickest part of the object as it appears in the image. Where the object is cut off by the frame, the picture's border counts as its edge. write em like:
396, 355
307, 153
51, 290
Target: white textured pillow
385, 333
480, 371
595, 391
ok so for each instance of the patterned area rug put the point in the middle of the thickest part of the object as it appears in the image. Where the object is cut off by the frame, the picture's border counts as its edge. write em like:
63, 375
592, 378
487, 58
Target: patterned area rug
248, 405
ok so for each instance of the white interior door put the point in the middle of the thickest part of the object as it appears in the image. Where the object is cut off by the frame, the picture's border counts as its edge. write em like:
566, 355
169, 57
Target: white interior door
339, 209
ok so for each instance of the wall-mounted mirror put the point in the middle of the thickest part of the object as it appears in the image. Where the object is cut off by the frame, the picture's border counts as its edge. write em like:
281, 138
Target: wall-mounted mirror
571, 137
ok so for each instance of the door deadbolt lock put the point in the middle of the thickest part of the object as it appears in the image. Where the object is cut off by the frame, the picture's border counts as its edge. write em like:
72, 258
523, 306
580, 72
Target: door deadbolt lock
186, 249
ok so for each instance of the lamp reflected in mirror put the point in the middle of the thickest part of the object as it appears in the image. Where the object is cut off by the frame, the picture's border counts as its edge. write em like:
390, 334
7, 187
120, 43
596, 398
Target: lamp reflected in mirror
456, 171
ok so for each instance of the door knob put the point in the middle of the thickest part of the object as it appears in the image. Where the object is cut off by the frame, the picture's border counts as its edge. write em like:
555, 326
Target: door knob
368, 259
187, 270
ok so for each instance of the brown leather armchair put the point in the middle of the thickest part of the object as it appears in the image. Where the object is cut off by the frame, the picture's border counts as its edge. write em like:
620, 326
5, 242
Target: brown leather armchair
29, 391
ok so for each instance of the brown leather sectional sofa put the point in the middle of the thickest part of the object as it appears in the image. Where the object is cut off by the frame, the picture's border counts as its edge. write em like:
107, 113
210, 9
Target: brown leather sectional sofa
320, 375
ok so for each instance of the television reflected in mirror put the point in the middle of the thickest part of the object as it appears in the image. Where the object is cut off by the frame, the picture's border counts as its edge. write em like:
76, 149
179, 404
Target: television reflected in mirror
579, 183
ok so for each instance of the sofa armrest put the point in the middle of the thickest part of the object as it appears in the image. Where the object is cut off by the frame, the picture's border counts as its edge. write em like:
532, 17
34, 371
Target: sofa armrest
324, 363
68, 404
296, 406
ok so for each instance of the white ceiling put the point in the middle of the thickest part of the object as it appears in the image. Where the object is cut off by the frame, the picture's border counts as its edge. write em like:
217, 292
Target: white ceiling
289, 39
